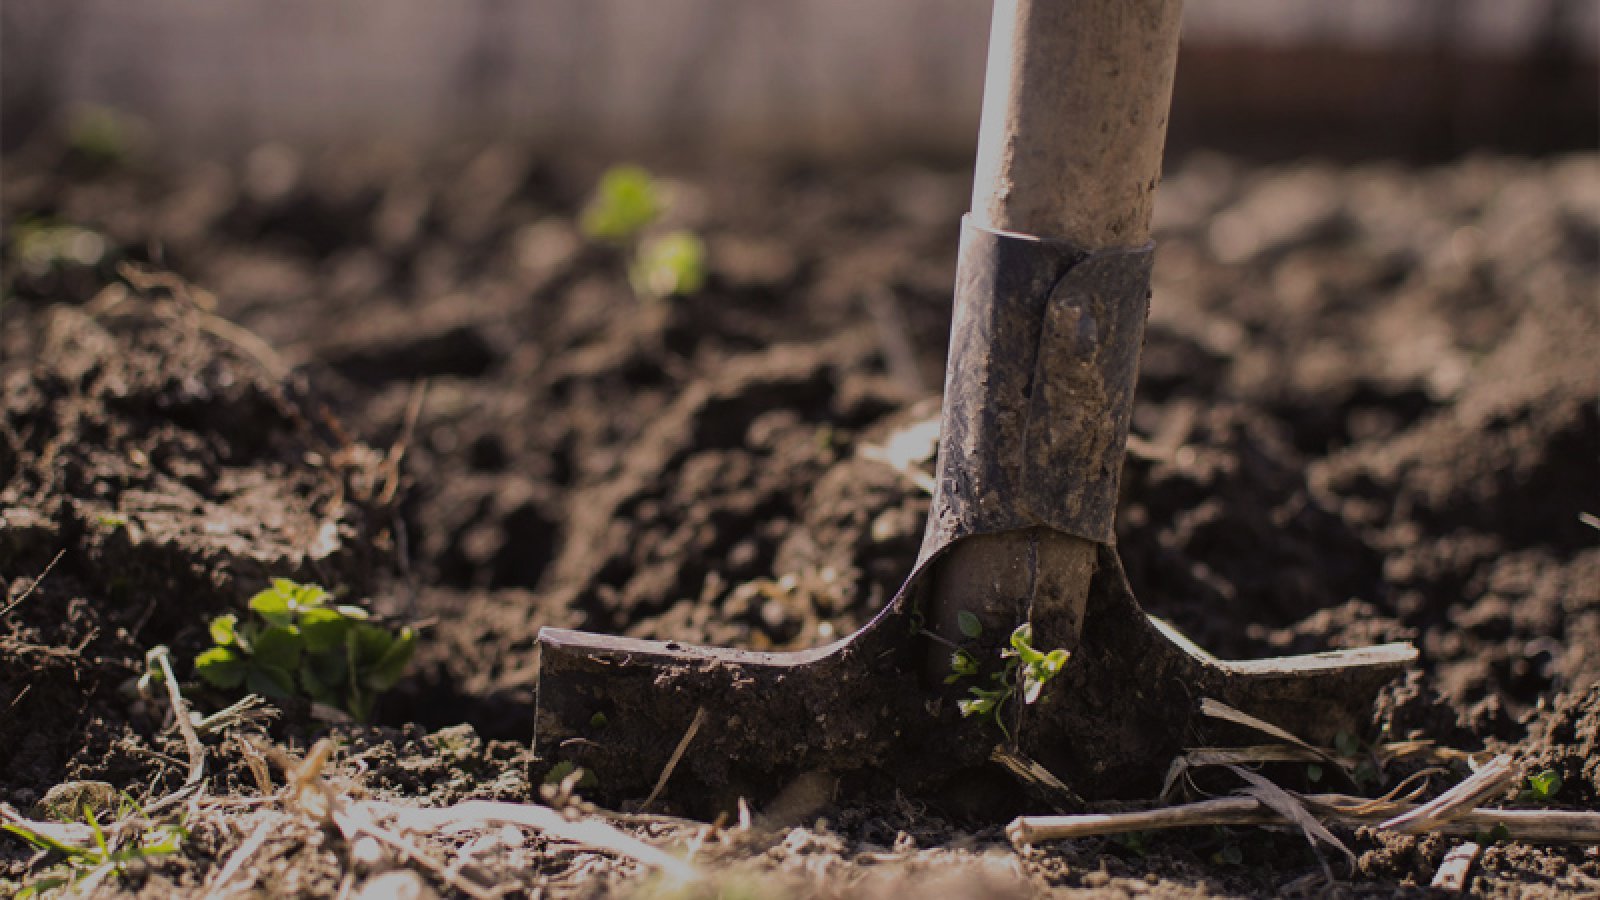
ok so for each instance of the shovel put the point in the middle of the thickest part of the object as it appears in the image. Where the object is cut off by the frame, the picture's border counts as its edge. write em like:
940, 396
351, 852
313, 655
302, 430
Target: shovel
1017, 560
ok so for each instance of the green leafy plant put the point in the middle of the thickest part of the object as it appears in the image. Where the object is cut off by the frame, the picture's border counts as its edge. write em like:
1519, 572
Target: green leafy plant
625, 203
298, 643
113, 853
1023, 669
669, 264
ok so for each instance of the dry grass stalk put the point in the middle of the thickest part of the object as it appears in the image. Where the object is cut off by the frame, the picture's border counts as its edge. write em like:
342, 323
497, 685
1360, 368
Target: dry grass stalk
257, 764
1456, 868
1534, 826
1216, 709
1037, 777
1291, 809
591, 833
1492, 778
73, 834
161, 658
676, 757
222, 883
1201, 757
317, 797
18, 602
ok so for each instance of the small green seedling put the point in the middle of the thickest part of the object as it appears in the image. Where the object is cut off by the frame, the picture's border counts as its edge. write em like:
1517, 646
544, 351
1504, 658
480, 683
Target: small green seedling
625, 203
298, 643
1022, 664
671, 264
102, 137
1543, 786
114, 853
1229, 855
40, 247
962, 665
1037, 668
1135, 842
1496, 835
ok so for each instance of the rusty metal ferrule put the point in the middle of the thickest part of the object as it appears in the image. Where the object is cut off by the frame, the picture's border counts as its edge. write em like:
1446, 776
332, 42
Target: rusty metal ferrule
1044, 357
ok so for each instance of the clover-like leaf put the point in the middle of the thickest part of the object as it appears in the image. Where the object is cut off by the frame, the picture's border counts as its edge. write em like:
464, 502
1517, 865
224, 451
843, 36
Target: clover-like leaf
324, 629
392, 664
367, 644
221, 666
278, 647
274, 604
270, 681
222, 630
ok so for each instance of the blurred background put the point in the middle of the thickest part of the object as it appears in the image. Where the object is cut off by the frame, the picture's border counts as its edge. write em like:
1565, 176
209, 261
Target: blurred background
836, 78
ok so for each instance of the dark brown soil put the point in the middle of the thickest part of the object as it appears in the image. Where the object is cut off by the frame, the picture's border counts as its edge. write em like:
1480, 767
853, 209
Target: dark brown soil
1369, 410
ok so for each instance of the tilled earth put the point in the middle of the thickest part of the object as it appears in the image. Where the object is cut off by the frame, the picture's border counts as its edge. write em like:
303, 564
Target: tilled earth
1369, 410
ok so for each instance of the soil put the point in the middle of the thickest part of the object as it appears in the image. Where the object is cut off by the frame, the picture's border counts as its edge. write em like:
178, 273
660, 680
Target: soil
1369, 410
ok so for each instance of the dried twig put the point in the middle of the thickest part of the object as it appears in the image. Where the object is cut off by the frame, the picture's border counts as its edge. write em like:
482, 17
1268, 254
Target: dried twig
485, 813
1534, 826
1035, 776
257, 764
397, 450
70, 833
160, 657
1454, 871
677, 755
1290, 808
264, 829
1200, 757
17, 602
1216, 709
1491, 779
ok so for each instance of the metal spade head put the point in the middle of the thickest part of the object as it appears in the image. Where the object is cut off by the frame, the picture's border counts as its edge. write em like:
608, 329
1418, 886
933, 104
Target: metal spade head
863, 710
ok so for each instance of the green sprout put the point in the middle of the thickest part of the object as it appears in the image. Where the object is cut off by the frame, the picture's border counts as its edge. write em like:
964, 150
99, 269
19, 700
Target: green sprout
1037, 668
113, 853
962, 665
298, 644
669, 264
626, 202
1543, 786
101, 136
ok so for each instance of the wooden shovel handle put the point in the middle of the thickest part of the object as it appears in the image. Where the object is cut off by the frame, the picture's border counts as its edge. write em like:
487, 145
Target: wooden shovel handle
1075, 109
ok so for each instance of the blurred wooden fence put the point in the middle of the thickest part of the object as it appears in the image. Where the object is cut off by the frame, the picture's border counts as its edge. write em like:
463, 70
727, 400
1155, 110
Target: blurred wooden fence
809, 76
